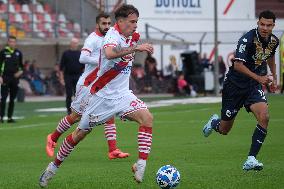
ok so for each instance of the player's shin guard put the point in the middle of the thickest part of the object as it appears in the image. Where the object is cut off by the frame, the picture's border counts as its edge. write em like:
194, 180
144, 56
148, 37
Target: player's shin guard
64, 124
110, 134
144, 141
257, 140
65, 149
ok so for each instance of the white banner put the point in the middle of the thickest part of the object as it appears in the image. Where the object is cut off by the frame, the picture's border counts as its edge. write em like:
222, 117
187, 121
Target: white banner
194, 9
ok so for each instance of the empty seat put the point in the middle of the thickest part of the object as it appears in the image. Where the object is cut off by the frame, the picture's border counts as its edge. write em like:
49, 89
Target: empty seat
47, 18
18, 18
77, 27
39, 8
61, 18
3, 8
26, 17
18, 7
26, 9
12, 8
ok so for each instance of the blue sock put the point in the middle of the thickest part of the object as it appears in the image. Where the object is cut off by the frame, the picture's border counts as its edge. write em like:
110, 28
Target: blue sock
258, 137
216, 124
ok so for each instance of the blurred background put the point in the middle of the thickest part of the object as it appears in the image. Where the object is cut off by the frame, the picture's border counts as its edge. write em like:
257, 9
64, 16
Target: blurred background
189, 40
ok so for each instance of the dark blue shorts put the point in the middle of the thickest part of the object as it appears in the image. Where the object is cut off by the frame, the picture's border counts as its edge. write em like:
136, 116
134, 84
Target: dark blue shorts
234, 98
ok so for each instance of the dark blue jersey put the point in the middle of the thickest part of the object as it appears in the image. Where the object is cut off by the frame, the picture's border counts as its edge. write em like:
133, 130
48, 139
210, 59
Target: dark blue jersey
253, 51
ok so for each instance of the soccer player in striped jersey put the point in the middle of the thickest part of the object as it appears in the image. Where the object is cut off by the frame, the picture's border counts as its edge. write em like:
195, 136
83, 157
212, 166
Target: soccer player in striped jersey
110, 94
90, 55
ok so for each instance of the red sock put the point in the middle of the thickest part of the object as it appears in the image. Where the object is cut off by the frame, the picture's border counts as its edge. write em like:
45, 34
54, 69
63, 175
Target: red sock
65, 149
110, 134
64, 124
144, 141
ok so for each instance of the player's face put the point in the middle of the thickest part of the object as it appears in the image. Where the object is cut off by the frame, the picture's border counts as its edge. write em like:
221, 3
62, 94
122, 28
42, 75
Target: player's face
265, 27
12, 43
104, 25
128, 25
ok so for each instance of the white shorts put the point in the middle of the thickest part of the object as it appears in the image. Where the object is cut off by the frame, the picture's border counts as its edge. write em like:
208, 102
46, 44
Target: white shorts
100, 109
81, 99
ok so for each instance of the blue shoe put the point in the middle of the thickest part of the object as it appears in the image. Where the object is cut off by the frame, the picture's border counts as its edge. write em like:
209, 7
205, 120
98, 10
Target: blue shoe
252, 164
207, 129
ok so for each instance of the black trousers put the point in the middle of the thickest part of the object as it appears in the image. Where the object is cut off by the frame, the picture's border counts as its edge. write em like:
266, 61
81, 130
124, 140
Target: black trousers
8, 87
70, 87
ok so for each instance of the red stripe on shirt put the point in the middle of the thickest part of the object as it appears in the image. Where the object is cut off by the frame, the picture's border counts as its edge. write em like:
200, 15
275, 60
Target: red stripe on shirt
107, 77
93, 75
84, 49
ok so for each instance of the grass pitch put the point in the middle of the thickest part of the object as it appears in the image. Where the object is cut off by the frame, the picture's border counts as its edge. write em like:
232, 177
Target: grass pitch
204, 163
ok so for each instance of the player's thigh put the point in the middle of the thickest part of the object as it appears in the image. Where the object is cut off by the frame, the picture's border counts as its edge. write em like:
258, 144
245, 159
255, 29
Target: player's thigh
135, 109
98, 111
81, 99
233, 99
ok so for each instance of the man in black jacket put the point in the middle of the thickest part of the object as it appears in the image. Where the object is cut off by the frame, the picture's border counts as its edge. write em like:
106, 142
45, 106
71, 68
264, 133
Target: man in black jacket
72, 70
11, 68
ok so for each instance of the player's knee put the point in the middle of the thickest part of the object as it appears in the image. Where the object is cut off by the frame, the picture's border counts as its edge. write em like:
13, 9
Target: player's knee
80, 134
264, 117
148, 119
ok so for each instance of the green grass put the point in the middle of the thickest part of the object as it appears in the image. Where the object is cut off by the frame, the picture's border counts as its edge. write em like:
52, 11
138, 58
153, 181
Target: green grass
204, 163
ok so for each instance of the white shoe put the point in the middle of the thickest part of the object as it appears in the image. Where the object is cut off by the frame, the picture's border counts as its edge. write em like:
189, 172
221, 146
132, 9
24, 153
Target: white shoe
252, 164
207, 129
47, 174
138, 169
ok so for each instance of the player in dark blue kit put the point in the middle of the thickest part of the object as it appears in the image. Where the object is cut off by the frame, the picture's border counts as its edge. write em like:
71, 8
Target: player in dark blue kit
243, 85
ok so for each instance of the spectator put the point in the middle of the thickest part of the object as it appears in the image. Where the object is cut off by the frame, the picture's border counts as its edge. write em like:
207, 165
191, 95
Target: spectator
184, 87
72, 70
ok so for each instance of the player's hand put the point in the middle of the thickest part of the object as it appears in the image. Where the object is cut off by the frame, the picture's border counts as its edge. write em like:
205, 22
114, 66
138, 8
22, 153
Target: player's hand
145, 47
265, 80
273, 86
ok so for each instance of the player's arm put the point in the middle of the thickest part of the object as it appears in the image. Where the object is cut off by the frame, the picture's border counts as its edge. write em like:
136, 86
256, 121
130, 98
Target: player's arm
86, 58
21, 67
112, 52
272, 66
1, 65
240, 67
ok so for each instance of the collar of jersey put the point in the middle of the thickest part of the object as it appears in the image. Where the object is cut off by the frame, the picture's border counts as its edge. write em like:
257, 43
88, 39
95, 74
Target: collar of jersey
99, 33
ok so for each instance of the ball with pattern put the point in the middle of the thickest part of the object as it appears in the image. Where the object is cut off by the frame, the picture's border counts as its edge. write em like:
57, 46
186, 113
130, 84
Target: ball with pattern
168, 177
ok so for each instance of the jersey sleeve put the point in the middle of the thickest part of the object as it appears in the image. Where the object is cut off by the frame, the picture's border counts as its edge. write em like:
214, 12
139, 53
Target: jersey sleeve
276, 42
89, 45
242, 50
110, 40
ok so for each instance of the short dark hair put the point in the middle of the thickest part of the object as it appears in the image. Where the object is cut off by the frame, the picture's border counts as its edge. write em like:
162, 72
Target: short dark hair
101, 15
125, 10
12, 37
268, 15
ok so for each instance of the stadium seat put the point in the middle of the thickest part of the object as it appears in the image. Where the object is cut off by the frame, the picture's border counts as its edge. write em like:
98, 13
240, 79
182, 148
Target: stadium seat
26, 9
18, 8
27, 27
48, 27
47, 8
39, 9
26, 17
4, 1
40, 17
61, 18
3, 8
47, 17
77, 27
12, 18
12, 8
18, 18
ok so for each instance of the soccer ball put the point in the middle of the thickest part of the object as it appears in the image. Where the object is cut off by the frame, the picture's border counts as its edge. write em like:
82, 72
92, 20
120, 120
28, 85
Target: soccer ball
167, 177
